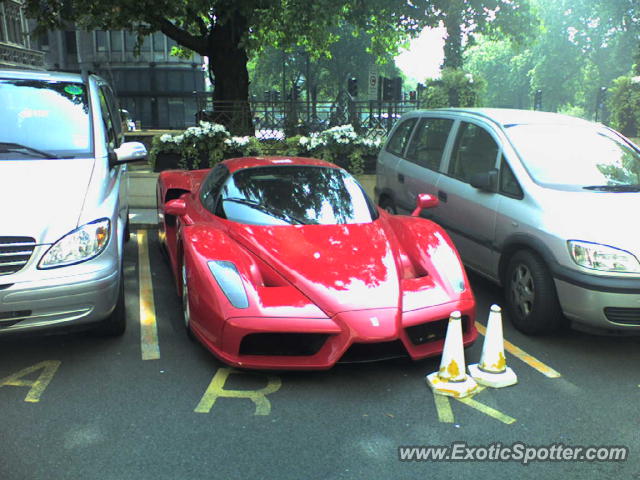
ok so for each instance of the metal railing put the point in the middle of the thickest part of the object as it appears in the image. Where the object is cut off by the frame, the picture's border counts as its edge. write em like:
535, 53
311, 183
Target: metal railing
278, 119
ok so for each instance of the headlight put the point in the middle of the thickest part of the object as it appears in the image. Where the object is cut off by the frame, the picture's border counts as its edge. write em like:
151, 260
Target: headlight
227, 276
78, 246
448, 265
603, 257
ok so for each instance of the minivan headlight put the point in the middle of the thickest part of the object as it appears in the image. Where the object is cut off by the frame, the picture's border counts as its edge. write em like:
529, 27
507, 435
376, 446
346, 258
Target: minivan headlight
77, 246
602, 257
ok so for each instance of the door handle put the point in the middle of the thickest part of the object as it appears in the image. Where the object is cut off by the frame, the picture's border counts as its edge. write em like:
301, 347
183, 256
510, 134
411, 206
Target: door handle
401, 178
442, 196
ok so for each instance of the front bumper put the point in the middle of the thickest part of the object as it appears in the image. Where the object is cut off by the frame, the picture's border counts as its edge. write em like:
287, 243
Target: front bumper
320, 343
602, 307
61, 302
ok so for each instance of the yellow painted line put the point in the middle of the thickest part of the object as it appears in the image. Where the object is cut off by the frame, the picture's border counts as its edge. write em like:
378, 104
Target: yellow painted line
524, 356
38, 386
216, 390
148, 327
487, 410
445, 414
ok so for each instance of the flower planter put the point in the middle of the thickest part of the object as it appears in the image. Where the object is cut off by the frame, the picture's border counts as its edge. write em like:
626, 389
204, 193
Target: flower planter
166, 161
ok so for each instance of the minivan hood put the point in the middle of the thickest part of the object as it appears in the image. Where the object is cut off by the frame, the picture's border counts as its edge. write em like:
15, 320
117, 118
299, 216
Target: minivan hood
600, 217
42, 199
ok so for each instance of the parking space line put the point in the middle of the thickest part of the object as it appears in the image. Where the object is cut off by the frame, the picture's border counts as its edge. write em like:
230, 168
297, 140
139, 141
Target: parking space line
443, 407
487, 410
524, 356
148, 328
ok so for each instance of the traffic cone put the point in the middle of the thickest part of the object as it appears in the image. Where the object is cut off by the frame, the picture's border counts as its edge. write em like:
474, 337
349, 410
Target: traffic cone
492, 371
451, 379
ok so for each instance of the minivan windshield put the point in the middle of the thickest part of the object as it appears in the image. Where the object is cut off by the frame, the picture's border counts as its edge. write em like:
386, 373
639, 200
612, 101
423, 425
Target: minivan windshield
577, 157
295, 195
43, 119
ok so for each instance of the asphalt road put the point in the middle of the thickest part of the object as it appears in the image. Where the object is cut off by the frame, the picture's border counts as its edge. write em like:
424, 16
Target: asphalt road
80, 407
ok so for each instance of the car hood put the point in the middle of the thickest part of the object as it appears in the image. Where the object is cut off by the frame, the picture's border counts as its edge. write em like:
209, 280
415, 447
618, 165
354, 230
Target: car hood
341, 267
599, 217
42, 199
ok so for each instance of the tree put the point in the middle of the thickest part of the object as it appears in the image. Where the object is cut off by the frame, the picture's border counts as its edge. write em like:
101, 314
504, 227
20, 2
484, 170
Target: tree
228, 32
467, 18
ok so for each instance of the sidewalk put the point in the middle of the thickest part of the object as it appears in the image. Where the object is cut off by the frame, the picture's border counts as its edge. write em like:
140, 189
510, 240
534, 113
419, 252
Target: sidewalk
142, 196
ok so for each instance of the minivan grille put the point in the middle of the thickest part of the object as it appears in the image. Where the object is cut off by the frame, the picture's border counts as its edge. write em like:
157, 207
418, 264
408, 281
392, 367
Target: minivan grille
625, 316
15, 252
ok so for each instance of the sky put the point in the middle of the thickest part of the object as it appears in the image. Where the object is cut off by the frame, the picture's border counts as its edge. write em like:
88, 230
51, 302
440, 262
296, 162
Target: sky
425, 54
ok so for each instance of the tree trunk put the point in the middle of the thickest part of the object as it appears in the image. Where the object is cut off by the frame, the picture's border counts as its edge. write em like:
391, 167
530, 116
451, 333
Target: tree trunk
228, 63
453, 43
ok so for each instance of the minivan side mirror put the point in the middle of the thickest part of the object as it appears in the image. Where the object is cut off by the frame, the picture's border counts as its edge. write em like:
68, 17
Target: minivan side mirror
130, 152
424, 200
486, 181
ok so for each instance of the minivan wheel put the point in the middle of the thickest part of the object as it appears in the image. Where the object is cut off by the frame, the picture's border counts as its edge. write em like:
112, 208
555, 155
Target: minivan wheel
531, 298
387, 205
116, 323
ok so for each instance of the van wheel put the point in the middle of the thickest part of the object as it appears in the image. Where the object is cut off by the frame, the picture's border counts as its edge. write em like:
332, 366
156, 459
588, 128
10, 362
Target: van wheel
388, 206
116, 323
531, 298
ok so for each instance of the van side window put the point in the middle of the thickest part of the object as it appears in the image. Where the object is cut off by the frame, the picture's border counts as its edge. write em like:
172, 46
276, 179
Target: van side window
400, 137
508, 183
427, 145
107, 120
475, 151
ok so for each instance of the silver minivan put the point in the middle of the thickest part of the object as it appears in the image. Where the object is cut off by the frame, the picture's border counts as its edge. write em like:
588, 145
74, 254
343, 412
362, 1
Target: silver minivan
544, 204
63, 197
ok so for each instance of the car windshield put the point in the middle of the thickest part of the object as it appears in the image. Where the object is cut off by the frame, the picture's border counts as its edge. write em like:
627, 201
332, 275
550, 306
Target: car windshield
295, 195
582, 157
43, 119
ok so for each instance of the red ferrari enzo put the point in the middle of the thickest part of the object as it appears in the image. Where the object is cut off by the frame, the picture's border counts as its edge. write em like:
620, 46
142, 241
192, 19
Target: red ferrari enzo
286, 263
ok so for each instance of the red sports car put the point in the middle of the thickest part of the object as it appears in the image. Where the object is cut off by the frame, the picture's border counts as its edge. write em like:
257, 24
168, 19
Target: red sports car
286, 263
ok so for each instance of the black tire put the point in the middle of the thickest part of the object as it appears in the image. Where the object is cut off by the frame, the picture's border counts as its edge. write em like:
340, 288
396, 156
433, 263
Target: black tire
387, 205
115, 324
530, 295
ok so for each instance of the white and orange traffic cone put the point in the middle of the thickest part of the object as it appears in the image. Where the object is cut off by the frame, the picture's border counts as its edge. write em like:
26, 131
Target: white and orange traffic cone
492, 371
451, 379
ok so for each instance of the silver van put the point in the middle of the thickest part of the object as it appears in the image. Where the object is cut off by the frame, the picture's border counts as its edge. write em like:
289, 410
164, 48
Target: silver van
63, 202
544, 204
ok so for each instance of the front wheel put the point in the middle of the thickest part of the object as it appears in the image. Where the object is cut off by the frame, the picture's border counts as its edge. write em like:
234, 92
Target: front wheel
186, 309
530, 294
388, 206
116, 323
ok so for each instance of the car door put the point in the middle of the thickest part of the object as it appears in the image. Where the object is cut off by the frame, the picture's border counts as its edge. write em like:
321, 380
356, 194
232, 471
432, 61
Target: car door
419, 171
468, 213
388, 158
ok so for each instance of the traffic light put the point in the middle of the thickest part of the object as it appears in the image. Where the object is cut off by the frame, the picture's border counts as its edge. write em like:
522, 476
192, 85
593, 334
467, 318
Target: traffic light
412, 96
275, 95
396, 89
295, 91
387, 93
352, 86
537, 100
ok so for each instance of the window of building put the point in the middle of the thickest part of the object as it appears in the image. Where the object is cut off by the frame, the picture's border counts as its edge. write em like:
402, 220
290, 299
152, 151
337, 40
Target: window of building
101, 41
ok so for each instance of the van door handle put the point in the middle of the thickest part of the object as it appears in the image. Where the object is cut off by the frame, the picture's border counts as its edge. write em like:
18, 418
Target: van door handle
442, 196
401, 178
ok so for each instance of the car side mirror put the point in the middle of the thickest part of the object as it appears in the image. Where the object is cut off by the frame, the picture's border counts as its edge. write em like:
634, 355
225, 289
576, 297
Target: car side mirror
176, 207
486, 181
130, 152
424, 200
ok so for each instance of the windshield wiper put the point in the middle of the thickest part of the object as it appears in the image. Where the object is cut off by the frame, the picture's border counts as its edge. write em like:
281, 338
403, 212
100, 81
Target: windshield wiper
614, 188
6, 147
277, 213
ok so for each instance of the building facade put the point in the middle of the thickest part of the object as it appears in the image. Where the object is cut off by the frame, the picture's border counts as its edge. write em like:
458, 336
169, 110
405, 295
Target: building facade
15, 41
155, 87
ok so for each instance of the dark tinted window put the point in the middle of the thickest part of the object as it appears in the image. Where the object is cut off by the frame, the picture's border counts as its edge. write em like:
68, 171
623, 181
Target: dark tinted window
46, 115
211, 186
400, 137
429, 140
475, 151
508, 183
292, 195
